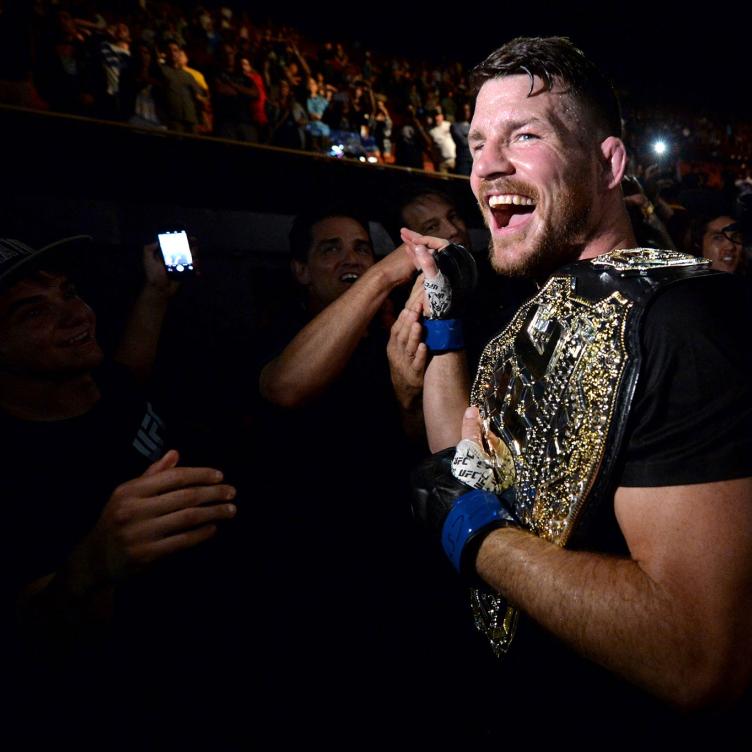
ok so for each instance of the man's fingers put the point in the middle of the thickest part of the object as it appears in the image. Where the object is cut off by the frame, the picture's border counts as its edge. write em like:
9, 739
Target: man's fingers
471, 425
414, 335
421, 358
415, 238
187, 497
184, 520
165, 462
426, 261
417, 296
170, 479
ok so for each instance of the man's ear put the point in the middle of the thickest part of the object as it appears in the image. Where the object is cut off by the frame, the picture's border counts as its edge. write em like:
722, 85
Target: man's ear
300, 272
614, 161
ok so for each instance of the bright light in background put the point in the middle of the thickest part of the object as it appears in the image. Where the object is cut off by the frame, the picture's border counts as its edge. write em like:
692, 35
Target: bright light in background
660, 148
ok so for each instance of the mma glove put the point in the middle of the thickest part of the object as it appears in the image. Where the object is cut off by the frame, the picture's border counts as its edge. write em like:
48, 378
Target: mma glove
447, 295
461, 516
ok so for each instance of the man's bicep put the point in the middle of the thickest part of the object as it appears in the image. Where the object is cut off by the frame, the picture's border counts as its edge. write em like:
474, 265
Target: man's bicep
694, 541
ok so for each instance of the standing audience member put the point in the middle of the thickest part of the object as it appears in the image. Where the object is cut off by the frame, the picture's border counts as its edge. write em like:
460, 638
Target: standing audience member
113, 58
101, 513
287, 119
183, 96
206, 123
142, 89
316, 106
360, 618
259, 116
233, 94
445, 152
412, 141
719, 238
459, 130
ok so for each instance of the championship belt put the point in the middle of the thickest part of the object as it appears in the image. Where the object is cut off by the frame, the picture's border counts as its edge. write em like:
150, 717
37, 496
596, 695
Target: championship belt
554, 390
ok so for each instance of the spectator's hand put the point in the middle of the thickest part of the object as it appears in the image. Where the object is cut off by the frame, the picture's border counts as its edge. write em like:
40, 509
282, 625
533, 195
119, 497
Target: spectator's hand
421, 249
416, 302
398, 266
165, 510
155, 274
435, 284
407, 358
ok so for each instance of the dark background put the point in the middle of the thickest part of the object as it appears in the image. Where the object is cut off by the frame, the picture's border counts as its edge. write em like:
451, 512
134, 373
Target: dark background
663, 52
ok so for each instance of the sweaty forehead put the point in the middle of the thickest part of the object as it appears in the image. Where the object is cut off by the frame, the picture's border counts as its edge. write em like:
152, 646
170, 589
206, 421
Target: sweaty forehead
511, 99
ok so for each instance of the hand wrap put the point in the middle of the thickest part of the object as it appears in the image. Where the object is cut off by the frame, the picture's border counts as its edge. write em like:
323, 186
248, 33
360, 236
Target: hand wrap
447, 294
459, 515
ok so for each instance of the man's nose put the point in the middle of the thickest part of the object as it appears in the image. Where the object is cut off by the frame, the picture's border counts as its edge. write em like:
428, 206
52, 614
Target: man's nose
73, 311
493, 160
448, 230
352, 256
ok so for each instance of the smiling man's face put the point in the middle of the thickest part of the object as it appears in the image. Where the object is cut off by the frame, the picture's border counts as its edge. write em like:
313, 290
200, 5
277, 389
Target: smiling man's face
340, 253
46, 330
722, 247
535, 179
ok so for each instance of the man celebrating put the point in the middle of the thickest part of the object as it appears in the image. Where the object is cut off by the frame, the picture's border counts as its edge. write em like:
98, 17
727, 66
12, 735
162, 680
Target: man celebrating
612, 503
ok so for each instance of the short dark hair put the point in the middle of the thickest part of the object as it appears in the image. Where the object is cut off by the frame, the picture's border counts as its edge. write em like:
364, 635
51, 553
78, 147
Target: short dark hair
407, 194
301, 236
698, 226
552, 58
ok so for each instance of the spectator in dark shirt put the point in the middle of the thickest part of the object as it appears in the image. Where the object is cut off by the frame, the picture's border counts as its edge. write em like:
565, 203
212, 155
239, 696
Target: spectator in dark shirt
181, 92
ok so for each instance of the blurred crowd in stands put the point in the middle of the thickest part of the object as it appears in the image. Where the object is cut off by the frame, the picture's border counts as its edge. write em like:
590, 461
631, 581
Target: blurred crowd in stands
213, 69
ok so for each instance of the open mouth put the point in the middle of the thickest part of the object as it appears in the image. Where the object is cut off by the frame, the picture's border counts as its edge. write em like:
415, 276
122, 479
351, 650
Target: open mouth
510, 211
77, 339
349, 277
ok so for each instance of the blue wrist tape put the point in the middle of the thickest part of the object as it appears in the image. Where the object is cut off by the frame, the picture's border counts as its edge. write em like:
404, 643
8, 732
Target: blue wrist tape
471, 513
443, 335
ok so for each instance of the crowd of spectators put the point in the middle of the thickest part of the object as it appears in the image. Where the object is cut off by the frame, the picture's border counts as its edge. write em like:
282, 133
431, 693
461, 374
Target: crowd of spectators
214, 70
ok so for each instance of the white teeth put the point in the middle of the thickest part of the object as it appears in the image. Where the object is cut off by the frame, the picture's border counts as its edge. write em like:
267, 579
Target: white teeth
510, 198
349, 277
78, 338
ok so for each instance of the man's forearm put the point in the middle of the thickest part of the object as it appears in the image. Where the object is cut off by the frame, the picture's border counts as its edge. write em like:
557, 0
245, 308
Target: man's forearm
606, 608
322, 349
137, 349
446, 395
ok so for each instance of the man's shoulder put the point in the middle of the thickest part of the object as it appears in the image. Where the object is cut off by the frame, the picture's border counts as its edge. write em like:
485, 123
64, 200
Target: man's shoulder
713, 303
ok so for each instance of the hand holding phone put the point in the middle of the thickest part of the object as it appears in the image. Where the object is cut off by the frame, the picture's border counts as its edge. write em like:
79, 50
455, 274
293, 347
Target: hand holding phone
176, 253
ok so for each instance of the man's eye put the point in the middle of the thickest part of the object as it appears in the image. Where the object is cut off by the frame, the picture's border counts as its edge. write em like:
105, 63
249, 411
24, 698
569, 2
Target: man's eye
428, 229
526, 137
33, 313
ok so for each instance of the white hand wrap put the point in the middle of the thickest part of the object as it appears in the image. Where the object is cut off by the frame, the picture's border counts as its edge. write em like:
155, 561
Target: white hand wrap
473, 466
438, 295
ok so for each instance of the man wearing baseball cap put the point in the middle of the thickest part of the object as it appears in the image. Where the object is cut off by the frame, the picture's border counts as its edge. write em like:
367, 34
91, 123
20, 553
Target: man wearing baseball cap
91, 497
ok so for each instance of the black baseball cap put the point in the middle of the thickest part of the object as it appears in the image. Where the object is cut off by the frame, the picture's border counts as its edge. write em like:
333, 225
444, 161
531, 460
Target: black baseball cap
18, 259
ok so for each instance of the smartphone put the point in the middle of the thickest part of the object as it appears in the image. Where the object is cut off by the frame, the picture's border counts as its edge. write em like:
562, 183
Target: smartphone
176, 253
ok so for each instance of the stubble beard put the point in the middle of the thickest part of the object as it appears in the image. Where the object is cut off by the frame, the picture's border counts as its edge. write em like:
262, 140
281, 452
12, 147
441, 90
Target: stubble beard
560, 240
